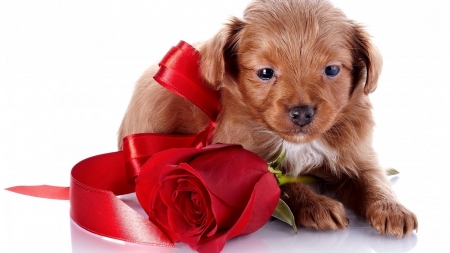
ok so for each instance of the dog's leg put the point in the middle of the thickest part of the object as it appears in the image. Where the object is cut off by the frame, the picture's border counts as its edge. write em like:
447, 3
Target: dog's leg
370, 196
312, 210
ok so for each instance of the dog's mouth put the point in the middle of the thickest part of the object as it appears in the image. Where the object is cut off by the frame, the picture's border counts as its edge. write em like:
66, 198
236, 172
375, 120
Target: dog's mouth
296, 132
290, 132
297, 135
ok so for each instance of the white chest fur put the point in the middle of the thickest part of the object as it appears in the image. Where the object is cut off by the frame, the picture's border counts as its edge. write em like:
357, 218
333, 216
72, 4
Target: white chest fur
302, 157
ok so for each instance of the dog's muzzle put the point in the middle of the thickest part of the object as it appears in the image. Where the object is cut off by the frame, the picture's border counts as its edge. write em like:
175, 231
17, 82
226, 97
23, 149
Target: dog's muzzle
302, 115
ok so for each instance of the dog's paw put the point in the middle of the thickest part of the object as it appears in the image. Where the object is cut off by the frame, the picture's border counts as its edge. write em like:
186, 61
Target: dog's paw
322, 214
392, 218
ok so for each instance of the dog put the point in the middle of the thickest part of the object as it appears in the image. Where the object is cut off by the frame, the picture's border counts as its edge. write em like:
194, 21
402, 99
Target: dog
296, 74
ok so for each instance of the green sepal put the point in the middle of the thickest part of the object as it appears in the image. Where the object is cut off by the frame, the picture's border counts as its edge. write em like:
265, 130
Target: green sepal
275, 156
392, 172
277, 163
286, 179
284, 213
304, 179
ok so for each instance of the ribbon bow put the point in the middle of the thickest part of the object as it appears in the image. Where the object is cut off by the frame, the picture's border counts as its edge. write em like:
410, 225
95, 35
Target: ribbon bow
96, 181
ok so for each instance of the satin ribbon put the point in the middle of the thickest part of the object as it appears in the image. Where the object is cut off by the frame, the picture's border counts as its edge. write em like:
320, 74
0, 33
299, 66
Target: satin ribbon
179, 72
96, 181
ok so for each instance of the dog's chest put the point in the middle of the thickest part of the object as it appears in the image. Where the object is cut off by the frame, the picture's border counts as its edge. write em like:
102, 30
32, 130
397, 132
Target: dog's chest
302, 157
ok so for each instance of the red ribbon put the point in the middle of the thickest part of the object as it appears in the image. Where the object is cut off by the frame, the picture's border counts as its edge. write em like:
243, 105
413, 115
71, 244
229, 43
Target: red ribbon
179, 73
97, 180
43, 191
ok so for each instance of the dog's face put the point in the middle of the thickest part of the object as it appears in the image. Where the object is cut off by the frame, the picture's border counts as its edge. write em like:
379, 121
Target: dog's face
293, 64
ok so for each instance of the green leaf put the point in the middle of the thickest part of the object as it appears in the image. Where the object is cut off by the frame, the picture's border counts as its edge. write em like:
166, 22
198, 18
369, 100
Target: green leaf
276, 164
392, 172
275, 156
284, 213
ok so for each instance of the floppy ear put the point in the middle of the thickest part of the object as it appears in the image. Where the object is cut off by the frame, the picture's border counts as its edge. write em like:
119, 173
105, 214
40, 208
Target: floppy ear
368, 61
218, 55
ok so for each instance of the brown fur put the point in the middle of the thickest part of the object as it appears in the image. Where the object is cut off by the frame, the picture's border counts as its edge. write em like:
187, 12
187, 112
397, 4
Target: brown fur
298, 39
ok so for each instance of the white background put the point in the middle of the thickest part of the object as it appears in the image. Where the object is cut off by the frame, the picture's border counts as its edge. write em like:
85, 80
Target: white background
67, 71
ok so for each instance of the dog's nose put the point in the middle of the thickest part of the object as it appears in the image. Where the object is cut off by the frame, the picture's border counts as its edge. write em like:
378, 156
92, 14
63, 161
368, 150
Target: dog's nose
302, 115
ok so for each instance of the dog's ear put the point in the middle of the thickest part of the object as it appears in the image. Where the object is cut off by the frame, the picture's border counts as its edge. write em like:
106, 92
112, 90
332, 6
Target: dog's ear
218, 55
367, 59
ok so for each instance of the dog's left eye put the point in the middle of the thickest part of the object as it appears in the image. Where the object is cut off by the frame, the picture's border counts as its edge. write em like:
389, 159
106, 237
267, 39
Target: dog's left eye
265, 74
332, 71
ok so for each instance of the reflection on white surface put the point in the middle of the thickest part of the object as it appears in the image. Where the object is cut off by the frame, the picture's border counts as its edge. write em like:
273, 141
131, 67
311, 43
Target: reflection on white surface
86, 242
275, 236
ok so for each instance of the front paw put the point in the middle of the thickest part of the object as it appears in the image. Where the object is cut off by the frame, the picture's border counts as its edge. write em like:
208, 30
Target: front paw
322, 214
392, 218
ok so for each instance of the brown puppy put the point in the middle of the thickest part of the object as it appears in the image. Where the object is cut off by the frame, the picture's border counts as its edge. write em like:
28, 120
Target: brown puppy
295, 73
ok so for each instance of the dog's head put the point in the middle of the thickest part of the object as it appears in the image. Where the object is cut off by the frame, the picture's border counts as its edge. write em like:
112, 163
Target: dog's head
293, 64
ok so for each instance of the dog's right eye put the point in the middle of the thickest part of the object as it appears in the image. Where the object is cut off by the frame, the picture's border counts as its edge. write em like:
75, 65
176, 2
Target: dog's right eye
265, 74
332, 71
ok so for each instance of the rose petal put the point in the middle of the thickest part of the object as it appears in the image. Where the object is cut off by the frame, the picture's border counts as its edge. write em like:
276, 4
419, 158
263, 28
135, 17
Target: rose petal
190, 202
225, 215
177, 187
267, 194
158, 216
185, 232
194, 211
234, 187
262, 203
170, 185
217, 242
151, 170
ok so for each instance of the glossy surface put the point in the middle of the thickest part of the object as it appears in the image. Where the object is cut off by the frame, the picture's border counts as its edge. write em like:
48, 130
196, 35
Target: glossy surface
67, 73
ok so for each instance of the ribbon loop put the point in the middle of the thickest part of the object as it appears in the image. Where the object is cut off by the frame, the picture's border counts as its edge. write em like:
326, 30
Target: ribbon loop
138, 148
179, 73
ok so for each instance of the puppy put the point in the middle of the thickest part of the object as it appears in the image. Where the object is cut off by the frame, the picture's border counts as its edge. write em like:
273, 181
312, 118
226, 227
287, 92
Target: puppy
295, 73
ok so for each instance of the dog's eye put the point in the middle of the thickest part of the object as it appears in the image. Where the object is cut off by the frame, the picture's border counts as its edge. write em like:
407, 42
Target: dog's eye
332, 71
265, 74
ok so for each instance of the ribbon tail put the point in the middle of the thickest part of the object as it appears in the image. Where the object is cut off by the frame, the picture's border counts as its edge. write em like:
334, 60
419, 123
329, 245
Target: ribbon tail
43, 191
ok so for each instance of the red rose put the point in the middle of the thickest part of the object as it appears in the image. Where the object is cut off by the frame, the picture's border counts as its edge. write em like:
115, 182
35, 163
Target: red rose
203, 197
